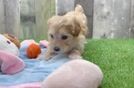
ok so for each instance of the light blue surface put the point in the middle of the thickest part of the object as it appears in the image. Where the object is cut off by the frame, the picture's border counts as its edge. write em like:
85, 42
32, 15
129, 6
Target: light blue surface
36, 70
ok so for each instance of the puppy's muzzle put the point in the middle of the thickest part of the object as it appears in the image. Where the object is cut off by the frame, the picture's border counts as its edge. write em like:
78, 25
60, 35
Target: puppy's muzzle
57, 49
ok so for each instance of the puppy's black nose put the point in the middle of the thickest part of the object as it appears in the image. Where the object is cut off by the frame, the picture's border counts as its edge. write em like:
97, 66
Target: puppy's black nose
56, 49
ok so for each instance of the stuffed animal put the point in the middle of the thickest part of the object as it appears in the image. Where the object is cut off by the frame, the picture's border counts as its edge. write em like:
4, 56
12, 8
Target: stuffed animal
10, 63
13, 39
76, 73
8, 46
31, 48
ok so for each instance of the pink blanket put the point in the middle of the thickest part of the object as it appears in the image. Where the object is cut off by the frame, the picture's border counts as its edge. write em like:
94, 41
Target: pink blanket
26, 85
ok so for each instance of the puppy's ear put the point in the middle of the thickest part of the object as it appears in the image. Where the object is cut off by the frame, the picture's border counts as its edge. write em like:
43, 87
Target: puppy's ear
72, 27
77, 28
79, 8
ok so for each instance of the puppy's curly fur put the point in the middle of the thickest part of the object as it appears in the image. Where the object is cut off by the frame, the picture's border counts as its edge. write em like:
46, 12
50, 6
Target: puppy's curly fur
67, 33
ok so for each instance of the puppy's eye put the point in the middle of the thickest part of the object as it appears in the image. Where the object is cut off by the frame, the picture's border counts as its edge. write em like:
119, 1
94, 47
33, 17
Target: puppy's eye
51, 36
64, 37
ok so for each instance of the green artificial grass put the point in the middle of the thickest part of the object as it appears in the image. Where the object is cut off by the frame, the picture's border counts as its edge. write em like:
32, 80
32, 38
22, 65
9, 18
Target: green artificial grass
115, 58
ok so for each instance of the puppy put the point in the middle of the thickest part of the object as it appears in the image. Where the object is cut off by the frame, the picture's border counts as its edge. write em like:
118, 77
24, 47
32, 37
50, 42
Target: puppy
67, 33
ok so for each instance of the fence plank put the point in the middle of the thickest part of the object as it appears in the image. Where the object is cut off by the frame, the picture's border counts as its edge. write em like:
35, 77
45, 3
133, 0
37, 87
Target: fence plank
34, 16
2, 25
12, 16
111, 18
44, 10
28, 19
132, 20
63, 6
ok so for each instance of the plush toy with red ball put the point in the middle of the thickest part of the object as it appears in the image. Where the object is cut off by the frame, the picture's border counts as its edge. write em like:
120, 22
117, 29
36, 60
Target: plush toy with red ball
32, 49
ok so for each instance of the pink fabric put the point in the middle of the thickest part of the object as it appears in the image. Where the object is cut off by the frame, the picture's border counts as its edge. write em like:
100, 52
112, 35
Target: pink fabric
27, 42
30, 41
26, 85
9, 63
44, 43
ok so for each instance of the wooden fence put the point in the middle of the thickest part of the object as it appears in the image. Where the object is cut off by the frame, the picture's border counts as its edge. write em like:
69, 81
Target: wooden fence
34, 16
9, 16
28, 18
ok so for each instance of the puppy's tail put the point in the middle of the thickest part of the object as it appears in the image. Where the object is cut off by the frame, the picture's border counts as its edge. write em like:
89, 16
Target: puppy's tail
79, 8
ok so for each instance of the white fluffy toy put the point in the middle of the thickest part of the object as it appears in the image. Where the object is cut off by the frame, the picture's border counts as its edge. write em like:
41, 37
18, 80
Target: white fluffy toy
8, 46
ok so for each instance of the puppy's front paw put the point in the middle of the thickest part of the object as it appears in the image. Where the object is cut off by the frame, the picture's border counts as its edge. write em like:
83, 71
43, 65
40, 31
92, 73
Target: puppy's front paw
74, 56
48, 56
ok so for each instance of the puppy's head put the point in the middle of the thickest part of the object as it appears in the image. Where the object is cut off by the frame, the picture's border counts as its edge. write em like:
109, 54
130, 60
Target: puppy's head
62, 34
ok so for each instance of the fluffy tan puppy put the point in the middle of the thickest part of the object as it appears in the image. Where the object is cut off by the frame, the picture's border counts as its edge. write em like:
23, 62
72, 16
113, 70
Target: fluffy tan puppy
67, 33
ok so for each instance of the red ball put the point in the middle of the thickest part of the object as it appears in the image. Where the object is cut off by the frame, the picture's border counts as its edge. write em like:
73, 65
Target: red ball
33, 51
